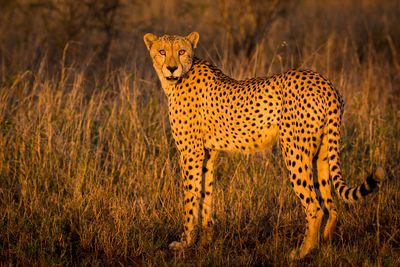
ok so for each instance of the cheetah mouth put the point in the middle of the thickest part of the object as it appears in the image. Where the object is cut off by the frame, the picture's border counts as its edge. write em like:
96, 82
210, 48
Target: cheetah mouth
171, 78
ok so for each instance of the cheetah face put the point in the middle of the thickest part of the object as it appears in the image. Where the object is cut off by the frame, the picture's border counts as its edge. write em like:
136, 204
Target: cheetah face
172, 55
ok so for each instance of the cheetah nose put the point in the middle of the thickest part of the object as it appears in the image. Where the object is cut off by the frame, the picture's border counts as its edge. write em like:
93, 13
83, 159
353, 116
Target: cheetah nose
172, 69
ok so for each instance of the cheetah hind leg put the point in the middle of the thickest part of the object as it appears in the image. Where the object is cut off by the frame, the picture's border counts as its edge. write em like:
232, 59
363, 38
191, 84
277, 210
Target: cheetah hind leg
310, 240
302, 181
324, 188
330, 226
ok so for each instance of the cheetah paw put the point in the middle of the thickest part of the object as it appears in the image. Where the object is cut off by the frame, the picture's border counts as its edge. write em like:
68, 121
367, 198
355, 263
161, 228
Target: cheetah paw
176, 245
294, 255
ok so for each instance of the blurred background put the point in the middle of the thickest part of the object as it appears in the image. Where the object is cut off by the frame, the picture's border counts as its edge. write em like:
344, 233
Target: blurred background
104, 34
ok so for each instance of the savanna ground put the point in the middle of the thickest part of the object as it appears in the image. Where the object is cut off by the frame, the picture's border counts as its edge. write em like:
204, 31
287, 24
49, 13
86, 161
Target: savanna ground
89, 172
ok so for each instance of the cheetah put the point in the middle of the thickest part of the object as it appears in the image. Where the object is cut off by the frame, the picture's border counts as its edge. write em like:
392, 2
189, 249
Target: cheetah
212, 112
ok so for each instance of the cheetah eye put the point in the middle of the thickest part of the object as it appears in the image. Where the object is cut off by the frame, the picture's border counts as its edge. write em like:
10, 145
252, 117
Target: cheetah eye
181, 52
162, 52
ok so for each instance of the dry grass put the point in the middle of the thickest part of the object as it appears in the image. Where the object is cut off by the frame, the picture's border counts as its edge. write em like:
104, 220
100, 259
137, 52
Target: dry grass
88, 168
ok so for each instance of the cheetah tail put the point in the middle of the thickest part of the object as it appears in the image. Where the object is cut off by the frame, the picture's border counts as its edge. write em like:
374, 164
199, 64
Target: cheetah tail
349, 194
352, 194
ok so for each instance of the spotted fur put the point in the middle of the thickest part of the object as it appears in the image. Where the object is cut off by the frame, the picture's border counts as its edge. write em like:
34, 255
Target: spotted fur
210, 111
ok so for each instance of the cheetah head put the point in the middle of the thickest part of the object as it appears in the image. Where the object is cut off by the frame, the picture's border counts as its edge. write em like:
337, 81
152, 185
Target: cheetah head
172, 55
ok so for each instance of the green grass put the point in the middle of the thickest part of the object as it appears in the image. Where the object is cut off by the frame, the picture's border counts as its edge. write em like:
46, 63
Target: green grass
89, 172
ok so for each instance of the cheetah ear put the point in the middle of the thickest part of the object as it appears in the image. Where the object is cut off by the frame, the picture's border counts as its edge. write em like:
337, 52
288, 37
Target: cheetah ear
193, 38
149, 39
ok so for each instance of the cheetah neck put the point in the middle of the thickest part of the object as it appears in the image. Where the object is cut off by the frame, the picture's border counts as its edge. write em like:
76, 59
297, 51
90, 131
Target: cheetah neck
198, 66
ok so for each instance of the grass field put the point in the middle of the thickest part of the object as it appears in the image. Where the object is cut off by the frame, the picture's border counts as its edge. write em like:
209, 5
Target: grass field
89, 172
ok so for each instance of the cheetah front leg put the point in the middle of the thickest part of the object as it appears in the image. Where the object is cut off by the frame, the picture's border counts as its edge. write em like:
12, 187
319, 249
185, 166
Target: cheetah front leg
191, 166
206, 196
